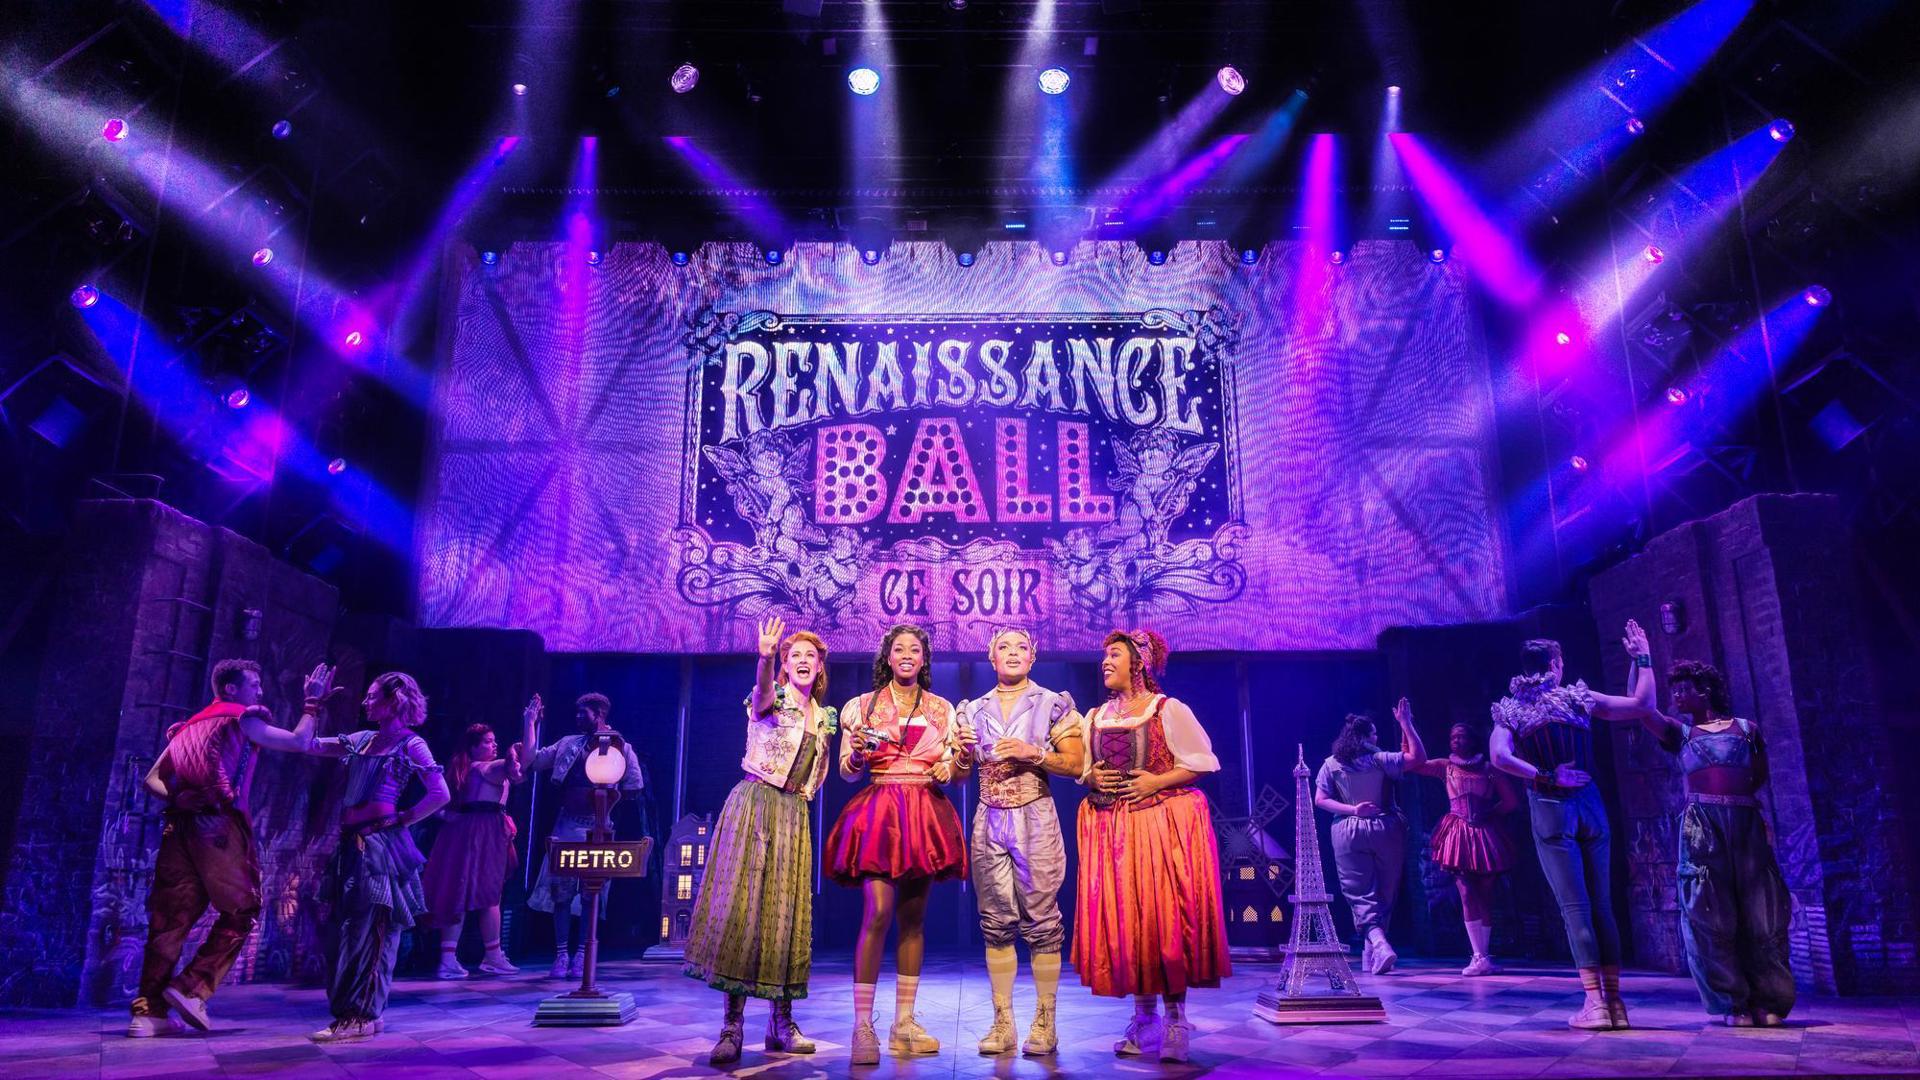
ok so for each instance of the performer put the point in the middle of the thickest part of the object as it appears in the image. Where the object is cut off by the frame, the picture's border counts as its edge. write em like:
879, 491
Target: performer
1733, 900
1470, 842
899, 834
1543, 735
1151, 923
207, 855
372, 885
752, 930
1369, 832
473, 854
566, 763
1019, 859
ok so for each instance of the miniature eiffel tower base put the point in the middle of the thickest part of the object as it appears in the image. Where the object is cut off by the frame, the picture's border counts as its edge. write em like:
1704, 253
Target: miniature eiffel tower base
603, 1009
1341, 1002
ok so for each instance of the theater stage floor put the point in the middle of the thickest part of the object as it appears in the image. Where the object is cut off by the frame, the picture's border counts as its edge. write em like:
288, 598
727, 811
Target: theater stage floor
1510, 1025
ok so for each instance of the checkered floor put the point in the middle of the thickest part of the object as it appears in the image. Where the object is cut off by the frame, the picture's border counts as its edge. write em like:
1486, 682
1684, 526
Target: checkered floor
1512, 1025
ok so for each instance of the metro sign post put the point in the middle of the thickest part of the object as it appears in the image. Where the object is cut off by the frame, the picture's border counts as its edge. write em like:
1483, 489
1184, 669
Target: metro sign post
595, 861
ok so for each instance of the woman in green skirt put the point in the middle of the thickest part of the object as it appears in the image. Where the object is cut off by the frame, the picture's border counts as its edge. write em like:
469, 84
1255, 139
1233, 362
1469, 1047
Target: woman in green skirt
752, 932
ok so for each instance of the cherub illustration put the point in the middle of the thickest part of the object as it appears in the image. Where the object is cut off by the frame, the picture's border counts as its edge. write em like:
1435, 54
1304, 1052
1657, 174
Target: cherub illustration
1155, 480
1078, 556
767, 479
835, 571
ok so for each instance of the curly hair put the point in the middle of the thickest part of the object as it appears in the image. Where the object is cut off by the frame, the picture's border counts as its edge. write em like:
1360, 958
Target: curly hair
399, 687
883, 669
819, 681
1537, 656
229, 673
1707, 679
597, 704
1356, 737
1147, 654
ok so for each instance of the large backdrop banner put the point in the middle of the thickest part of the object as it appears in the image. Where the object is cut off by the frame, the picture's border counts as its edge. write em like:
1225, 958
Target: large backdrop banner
639, 456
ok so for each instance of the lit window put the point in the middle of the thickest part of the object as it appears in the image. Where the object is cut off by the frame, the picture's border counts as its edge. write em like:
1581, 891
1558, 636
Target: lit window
1277, 915
1249, 915
700, 855
666, 927
683, 887
703, 830
1246, 873
686, 854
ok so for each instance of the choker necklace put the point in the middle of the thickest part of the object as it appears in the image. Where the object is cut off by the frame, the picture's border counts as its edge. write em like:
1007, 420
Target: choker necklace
1021, 689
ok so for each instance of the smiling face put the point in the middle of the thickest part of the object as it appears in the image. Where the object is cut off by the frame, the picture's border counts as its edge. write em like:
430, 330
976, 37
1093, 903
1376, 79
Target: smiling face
486, 749
906, 656
803, 665
247, 690
1689, 697
1116, 668
1012, 656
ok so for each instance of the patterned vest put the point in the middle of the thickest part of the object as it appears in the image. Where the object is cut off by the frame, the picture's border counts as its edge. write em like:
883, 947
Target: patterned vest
1142, 745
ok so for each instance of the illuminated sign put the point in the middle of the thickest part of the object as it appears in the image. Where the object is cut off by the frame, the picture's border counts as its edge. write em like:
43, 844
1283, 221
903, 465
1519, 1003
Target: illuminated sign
599, 859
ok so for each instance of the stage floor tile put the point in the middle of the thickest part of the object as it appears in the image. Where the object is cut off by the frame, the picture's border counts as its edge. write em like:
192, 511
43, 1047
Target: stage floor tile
1511, 1025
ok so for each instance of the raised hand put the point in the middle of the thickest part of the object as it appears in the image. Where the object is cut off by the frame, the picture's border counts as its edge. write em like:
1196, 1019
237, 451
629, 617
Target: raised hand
1403, 713
771, 630
319, 685
1636, 640
533, 712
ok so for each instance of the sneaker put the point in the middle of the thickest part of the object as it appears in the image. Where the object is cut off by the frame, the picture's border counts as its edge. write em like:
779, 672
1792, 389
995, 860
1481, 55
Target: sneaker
347, 1031
1366, 956
147, 1027
866, 1045
1737, 1020
1041, 1038
1592, 1016
726, 1049
450, 968
1173, 1044
559, 968
784, 1036
1480, 965
1001, 1037
908, 1037
498, 964
1617, 1012
1142, 1037
1383, 958
575, 962
190, 1008
1763, 1018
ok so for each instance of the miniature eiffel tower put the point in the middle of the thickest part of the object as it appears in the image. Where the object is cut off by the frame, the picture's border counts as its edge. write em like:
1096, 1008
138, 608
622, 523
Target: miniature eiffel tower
1315, 950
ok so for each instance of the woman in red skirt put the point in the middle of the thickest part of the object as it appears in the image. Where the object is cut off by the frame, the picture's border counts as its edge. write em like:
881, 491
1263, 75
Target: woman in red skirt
900, 833
1470, 842
1150, 920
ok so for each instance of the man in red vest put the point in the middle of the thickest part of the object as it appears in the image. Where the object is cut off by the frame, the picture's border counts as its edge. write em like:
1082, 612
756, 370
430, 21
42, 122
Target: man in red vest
207, 853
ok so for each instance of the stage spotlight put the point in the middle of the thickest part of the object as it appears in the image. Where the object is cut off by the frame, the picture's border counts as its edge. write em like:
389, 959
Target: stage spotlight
685, 78
680, 258
1780, 130
282, 129
1249, 255
1817, 296
1636, 127
1054, 81
1677, 395
1060, 256
336, 466
1579, 463
1394, 90
863, 81
957, 5
965, 258
1337, 257
84, 296
1563, 338
1230, 80
354, 339
1654, 255
238, 398
490, 258
115, 130
1437, 255
262, 256
774, 256
593, 258
1156, 257
870, 256
519, 89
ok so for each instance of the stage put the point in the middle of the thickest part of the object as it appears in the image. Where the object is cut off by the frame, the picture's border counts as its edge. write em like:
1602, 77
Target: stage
1510, 1025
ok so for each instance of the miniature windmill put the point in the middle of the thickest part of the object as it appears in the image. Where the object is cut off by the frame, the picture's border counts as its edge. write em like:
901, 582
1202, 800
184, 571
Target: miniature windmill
1315, 950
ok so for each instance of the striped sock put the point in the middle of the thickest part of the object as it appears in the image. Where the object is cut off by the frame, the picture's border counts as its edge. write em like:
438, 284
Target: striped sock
1046, 976
904, 988
1001, 965
863, 1002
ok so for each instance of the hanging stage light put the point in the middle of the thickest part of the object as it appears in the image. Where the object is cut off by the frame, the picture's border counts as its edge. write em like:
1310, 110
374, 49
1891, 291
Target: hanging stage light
863, 81
684, 78
1230, 80
1054, 81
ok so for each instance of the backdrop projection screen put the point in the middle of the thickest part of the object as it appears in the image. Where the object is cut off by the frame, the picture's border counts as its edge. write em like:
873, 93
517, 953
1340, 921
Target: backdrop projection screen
638, 456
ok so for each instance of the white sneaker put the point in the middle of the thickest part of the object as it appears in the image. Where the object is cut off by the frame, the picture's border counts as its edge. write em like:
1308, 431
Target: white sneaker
1480, 965
450, 968
559, 968
1142, 1038
190, 1008
574, 963
498, 964
1173, 1044
908, 1037
347, 1031
1383, 958
147, 1027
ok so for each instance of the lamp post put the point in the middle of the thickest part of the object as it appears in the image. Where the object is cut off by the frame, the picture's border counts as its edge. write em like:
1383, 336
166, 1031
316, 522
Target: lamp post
596, 861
